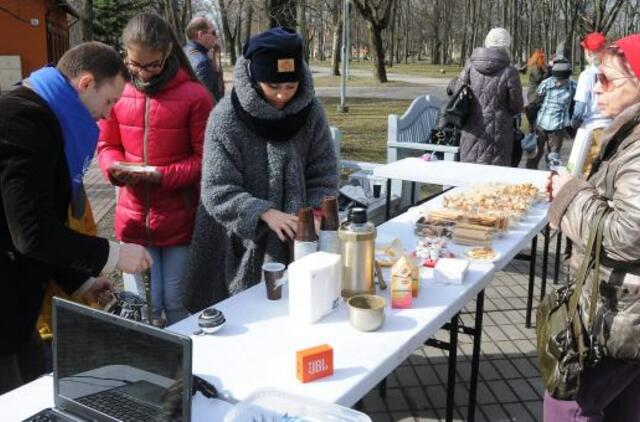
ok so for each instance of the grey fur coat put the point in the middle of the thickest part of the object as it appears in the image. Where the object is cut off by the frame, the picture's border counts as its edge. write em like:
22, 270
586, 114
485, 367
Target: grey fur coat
243, 176
487, 135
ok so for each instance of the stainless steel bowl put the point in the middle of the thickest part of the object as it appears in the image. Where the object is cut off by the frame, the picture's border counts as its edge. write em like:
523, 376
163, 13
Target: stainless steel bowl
366, 312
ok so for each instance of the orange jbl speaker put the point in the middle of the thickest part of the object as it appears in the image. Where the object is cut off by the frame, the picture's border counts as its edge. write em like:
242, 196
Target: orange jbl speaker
313, 363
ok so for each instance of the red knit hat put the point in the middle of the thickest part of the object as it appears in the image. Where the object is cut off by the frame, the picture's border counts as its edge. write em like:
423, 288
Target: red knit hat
594, 41
630, 46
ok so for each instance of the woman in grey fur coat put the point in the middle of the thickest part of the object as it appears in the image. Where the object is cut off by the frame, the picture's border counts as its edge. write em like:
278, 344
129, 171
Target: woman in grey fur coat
268, 152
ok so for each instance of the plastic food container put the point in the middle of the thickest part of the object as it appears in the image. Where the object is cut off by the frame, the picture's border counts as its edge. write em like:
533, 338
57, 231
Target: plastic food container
273, 405
432, 229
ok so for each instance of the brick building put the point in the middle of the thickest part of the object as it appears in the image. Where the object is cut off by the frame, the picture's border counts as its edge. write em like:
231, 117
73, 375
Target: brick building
32, 34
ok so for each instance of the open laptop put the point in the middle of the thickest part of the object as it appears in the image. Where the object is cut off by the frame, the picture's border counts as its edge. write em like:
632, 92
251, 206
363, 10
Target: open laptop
107, 368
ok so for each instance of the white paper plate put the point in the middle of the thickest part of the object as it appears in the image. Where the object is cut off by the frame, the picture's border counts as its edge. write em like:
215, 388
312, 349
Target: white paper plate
482, 260
135, 168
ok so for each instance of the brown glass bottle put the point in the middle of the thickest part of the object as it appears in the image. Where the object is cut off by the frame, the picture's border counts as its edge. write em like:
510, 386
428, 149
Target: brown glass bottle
306, 240
328, 240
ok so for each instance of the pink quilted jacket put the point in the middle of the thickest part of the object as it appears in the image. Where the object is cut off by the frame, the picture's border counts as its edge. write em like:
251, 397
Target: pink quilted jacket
165, 130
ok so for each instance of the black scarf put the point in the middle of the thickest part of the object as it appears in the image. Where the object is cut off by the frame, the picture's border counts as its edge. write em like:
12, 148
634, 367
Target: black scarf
156, 83
278, 130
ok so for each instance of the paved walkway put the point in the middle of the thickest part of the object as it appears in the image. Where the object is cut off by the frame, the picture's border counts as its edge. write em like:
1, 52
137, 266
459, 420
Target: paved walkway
433, 86
509, 386
100, 192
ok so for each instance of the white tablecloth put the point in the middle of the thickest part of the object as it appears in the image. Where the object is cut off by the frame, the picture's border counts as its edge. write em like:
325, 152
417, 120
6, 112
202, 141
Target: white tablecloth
455, 173
256, 348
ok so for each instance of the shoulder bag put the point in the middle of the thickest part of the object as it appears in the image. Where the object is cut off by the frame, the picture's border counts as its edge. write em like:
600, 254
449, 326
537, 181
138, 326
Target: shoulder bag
565, 344
455, 113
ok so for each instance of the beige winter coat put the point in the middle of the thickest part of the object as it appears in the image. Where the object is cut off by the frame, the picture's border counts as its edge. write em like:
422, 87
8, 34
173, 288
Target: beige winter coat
617, 322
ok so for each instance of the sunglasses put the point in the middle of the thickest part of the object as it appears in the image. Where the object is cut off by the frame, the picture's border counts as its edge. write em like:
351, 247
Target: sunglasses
149, 67
608, 83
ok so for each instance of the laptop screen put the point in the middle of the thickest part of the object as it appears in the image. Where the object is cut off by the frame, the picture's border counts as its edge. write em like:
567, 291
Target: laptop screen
110, 368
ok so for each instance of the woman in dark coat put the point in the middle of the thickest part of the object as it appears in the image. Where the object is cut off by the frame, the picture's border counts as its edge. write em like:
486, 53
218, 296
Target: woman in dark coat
488, 133
268, 152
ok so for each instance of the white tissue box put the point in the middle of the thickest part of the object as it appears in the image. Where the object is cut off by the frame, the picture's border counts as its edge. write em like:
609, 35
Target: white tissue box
451, 270
314, 286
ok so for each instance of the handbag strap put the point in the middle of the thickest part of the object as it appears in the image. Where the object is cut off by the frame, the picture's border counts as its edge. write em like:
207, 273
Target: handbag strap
467, 78
596, 271
595, 231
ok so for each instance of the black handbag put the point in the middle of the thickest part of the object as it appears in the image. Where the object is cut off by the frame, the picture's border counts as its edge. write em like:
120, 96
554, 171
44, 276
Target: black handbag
448, 136
565, 345
455, 113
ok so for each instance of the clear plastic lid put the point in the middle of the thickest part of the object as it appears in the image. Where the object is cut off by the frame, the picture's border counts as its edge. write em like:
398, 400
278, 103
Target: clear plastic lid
273, 405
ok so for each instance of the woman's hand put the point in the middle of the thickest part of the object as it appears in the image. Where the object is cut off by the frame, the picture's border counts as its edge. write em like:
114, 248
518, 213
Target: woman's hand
123, 177
283, 224
126, 177
557, 181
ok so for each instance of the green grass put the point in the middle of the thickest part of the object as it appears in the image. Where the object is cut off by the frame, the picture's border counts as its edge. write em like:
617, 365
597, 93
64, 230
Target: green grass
364, 127
356, 81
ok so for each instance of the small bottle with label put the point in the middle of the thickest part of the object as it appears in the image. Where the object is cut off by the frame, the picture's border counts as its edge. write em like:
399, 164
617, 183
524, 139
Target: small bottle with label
328, 240
306, 240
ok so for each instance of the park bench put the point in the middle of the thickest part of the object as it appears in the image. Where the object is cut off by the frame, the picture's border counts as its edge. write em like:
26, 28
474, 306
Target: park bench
408, 135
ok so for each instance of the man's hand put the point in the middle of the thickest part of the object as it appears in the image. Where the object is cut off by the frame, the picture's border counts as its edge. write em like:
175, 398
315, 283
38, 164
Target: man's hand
100, 292
133, 258
283, 224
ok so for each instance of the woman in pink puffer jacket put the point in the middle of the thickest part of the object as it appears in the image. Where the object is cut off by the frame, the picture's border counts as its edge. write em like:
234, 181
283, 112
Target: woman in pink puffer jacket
160, 122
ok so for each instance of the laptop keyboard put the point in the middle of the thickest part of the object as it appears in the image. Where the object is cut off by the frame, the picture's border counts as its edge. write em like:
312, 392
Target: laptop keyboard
120, 406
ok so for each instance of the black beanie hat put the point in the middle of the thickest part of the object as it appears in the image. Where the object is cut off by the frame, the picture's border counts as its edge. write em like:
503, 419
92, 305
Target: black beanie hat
561, 69
275, 55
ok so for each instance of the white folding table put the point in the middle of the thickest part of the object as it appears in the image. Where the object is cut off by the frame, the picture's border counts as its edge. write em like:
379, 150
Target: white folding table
256, 348
456, 173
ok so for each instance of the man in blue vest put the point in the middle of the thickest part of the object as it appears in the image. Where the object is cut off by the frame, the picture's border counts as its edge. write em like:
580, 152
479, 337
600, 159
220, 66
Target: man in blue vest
202, 38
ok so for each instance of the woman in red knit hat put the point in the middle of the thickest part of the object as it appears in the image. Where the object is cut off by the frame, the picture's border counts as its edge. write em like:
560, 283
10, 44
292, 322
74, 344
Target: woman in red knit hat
611, 385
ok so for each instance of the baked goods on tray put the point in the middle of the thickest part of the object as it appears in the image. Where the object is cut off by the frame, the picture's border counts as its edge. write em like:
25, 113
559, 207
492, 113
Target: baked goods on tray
503, 197
484, 253
472, 234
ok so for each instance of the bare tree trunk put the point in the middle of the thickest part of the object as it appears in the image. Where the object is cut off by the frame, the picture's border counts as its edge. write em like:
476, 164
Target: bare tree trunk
229, 33
392, 35
177, 14
375, 40
337, 39
356, 30
377, 16
303, 29
248, 21
87, 20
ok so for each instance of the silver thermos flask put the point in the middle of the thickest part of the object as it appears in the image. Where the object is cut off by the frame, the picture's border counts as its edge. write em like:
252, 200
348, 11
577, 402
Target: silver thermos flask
357, 247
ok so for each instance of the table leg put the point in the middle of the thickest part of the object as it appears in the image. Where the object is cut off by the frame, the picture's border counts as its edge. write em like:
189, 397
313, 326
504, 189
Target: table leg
532, 276
387, 206
413, 193
545, 261
382, 388
475, 358
453, 355
556, 268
